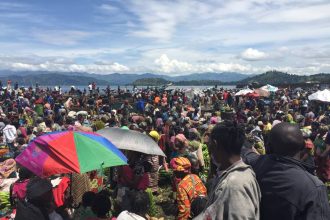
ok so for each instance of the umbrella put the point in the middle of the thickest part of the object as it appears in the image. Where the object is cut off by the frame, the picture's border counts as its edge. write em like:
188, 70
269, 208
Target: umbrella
262, 92
269, 88
131, 140
244, 92
323, 96
69, 152
253, 95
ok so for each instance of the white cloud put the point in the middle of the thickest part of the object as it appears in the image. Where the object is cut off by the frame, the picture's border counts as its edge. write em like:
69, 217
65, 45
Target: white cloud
59, 65
61, 37
172, 66
108, 8
159, 19
193, 36
298, 14
251, 54
162, 65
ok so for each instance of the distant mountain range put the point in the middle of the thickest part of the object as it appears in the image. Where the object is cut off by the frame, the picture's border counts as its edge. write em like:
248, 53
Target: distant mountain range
28, 78
77, 78
52, 79
272, 77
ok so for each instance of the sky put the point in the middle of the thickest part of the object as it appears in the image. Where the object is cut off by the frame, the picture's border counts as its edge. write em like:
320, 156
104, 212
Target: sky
165, 37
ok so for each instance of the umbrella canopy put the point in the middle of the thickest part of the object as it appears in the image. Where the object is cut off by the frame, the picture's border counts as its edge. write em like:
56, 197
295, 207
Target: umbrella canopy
323, 96
253, 95
269, 88
131, 140
262, 92
244, 92
69, 152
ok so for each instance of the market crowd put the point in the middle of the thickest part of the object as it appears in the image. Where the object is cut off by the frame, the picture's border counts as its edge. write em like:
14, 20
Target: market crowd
228, 156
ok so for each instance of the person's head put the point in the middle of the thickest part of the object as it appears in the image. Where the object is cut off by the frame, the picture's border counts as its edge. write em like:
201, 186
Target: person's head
20, 141
193, 134
39, 193
194, 163
286, 139
49, 123
154, 135
88, 198
206, 137
101, 205
80, 118
140, 203
124, 122
181, 166
6, 121
39, 189
132, 156
226, 140
180, 141
24, 173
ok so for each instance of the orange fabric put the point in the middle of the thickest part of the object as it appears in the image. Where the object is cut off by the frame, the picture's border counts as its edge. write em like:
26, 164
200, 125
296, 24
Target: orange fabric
157, 99
189, 189
180, 164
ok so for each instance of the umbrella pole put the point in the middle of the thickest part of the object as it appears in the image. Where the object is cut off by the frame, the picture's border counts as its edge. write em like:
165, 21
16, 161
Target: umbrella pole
102, 176
71, 181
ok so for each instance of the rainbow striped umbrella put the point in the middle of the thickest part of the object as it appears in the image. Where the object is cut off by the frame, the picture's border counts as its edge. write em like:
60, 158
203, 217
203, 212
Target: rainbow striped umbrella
69, 152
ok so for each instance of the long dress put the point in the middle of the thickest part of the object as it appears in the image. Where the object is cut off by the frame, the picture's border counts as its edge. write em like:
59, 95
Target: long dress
153, 174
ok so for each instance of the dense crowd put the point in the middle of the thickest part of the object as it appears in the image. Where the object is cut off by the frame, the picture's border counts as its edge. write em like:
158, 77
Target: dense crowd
228, 156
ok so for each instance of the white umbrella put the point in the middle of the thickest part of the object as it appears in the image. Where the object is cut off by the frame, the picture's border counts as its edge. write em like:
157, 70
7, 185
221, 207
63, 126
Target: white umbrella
131, 140
323, 96
269, 88
244, 92
262, 92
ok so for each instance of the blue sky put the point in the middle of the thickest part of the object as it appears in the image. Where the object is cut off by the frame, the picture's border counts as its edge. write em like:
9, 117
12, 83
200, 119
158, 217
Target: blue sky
165, 37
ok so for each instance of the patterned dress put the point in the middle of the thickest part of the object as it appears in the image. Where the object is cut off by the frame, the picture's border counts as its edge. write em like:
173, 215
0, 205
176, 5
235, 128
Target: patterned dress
189, 188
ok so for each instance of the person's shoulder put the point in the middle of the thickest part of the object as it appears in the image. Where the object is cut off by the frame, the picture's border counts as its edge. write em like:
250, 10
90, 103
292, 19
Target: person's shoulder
314, 181
293, 173
240, 177
183, 183
196, 178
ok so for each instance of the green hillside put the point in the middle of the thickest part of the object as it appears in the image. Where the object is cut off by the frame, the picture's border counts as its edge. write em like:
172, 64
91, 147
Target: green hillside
281, 78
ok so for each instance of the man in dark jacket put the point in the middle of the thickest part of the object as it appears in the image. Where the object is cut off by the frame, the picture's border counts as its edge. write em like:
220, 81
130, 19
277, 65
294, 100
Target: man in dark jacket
289, 191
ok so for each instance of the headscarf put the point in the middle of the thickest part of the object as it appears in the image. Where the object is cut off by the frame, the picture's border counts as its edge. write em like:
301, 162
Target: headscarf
180, 164
155, 135
181, 138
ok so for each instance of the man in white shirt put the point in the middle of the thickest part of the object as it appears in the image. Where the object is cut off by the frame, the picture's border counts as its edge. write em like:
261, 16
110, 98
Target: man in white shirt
9, 135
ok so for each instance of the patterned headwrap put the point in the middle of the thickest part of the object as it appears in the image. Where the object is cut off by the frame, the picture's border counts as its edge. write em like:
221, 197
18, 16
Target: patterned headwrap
180, 164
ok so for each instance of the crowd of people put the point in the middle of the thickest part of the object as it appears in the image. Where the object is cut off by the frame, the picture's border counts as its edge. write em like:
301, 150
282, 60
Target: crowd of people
229, 157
